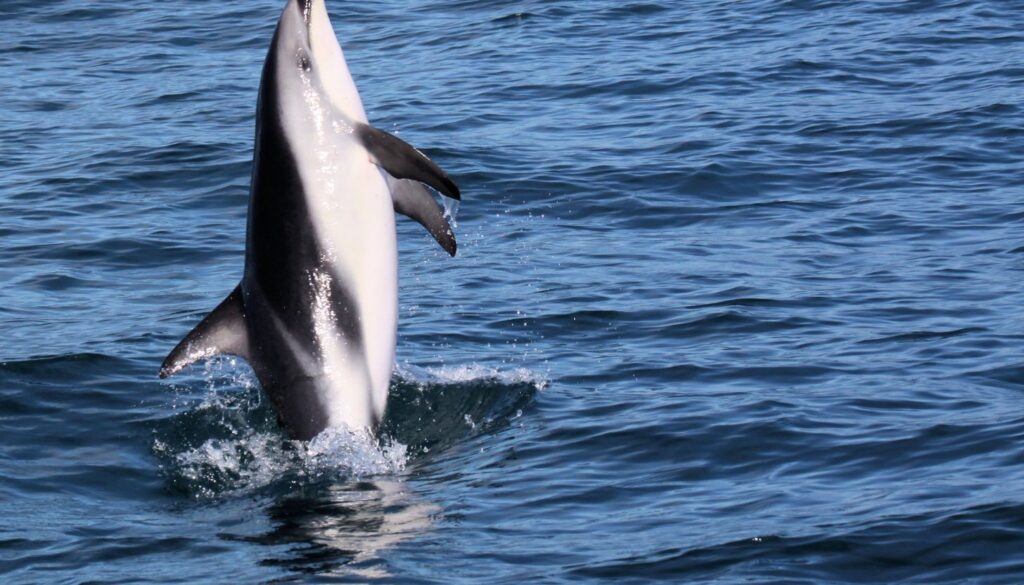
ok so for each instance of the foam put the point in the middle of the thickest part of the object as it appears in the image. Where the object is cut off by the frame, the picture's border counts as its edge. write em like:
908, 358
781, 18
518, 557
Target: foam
472, 373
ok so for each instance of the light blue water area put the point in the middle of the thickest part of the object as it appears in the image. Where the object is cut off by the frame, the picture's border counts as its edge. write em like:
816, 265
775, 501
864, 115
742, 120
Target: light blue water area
738, 298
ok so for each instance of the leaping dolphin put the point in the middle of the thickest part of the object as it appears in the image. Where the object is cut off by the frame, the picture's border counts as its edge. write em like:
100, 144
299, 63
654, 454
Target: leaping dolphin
316, 312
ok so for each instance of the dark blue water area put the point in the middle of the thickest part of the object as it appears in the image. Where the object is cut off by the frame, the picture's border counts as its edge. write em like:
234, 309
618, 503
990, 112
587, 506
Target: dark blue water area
738, 298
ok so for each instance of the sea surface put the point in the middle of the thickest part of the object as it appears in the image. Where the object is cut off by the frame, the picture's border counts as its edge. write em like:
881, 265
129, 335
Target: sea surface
738, 298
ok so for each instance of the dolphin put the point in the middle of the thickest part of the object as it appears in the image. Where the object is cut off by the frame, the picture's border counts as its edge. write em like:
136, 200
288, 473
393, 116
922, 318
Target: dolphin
316, 311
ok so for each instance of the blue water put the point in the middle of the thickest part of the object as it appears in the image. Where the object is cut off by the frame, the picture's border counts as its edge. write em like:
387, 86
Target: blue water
738, 298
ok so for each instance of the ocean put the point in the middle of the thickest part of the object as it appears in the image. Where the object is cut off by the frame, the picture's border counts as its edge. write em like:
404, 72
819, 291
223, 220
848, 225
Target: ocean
738, 298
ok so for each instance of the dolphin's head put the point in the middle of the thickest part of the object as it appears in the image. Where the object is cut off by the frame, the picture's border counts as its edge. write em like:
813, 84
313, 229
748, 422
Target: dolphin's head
306, 48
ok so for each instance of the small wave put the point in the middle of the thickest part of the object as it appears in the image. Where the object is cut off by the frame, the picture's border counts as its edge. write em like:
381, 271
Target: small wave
434, 408
512, 19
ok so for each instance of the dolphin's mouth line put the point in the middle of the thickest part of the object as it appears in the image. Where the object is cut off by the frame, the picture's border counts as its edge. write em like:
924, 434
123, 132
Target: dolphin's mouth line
306, 8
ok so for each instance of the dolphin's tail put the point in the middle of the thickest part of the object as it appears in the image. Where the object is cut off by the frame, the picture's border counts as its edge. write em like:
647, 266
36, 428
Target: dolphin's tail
222, 332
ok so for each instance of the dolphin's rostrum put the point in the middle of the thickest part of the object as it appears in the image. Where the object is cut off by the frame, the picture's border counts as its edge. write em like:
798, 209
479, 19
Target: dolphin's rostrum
316, 311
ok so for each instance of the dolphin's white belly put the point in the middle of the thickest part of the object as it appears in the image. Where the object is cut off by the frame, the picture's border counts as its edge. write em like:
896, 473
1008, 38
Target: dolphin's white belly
358, 234
352, 213
361, 256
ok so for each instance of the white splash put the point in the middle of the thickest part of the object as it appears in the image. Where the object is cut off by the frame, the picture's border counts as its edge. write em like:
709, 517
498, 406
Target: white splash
355, 451
254, 460
473, 372
250, 459
451, 210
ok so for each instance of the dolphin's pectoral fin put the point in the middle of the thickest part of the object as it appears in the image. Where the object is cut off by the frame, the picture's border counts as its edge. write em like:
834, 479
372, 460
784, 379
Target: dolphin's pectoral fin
222, 332
413, 200
402, 161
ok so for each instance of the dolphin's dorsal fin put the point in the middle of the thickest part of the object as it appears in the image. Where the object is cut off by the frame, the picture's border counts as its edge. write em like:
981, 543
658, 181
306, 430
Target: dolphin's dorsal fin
402, 161
222, 332
413, 200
